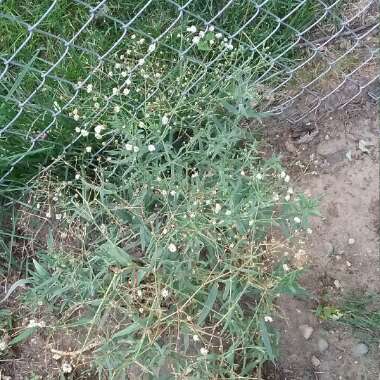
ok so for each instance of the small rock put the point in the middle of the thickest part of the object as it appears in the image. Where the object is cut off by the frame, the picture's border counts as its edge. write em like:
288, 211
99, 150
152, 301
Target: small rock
323, 345
315, 361
363, 146
360, 349
351, 241
337, 284
57, 356
306, 331
290, 147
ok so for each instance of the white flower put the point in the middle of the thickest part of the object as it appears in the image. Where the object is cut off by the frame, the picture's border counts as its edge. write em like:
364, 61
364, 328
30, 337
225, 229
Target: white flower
228, 212
297, 219
172, 193
98, 129
172, 248
192, 29
129, 147
259, 176
33, 323
287, 178
116, 109
287, 197
124, 74
211, 28
88, 149
128, 82
218, 36
285, 267
242, 173
151, 148
133, 36
164, 120
282, 174
76, 117
77, 129
267, 318
139, 293
141, 61
151, 48
141, 41
251, 222
84, 133
110, 74
3, 345
195, 338
229, 46
309, 231
117, 65
201, 34
351, 241
89, 88
164, 293
66, 368
195, 175
217, 209
96, 105
121, 56
136, 149
126, 91
58, 216
115, 91
275, 197
204, 351
290, 190
98, 136
75, 111
77, 176
196, 40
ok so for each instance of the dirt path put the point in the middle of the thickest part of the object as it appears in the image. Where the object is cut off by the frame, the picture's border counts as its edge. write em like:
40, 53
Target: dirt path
343, 249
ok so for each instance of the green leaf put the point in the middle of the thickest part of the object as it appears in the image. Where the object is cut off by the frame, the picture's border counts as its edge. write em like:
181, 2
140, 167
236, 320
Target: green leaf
41, 271
18, 283
116, 254
266, 340
127, 331
23, 336
209, 303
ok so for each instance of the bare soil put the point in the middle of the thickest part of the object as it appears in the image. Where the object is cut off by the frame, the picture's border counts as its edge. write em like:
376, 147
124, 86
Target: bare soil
340, 167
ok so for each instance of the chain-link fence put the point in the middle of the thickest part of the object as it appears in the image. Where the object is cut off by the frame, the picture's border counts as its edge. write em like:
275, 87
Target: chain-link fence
64, 63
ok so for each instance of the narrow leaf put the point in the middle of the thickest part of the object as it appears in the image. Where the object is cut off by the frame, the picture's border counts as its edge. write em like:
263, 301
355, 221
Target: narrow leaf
208, 304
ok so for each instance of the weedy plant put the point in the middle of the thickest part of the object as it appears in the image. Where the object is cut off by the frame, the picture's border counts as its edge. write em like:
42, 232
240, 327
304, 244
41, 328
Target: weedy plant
360, 311
154, 241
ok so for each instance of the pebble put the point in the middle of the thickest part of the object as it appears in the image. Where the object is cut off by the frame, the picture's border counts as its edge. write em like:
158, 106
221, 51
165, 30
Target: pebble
306, 331
360, 349
315, 361
351, 241
323, 345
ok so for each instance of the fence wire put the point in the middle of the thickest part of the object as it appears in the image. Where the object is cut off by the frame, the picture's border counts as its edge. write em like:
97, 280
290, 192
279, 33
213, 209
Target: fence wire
303, 56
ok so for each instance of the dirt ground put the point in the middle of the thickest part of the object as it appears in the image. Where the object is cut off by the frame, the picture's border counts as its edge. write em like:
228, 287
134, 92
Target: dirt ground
340, 167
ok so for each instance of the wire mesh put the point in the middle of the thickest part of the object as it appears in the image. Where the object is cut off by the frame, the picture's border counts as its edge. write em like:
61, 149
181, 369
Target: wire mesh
303, 55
